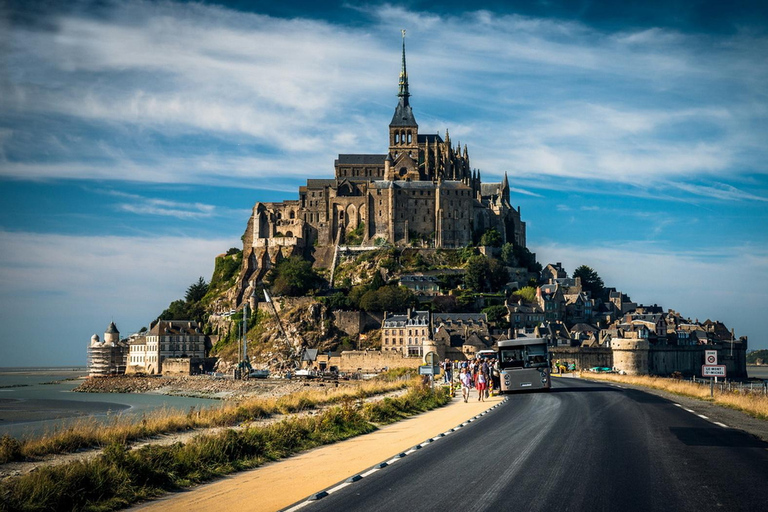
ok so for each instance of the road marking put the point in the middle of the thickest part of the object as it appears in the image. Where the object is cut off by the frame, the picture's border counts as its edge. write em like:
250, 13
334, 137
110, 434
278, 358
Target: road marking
720, 424
369, 472
677, 405
702, 416
338, 487
690, 411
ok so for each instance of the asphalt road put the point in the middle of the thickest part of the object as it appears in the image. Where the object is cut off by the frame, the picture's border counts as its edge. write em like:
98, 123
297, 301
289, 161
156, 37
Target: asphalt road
582, 446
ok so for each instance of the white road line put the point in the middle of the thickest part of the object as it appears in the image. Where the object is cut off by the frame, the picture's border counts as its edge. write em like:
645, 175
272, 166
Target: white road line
297, 507
720, 424
690, 411
338, 487
369, 472
677, 405
702, 416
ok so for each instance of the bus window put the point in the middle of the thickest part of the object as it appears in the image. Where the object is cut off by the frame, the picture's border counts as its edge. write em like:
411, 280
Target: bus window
511, 358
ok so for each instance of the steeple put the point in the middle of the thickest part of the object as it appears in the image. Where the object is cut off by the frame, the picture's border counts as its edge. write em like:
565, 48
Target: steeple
403, 92
403, 114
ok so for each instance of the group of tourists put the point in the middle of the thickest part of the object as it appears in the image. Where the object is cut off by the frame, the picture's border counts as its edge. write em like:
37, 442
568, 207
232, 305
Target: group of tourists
474, 373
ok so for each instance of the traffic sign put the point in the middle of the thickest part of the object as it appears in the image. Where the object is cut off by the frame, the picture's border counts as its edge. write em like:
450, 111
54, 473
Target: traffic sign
710, 357
713, 370
428, 369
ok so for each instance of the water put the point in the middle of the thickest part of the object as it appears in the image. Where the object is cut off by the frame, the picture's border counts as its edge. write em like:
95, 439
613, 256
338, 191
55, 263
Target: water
34, 401
759, 372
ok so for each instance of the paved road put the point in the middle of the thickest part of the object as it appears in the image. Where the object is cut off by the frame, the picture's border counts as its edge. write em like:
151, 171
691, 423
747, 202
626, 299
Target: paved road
583, 446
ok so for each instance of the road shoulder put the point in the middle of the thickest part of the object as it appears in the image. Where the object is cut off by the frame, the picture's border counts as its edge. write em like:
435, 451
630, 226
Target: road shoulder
279, 484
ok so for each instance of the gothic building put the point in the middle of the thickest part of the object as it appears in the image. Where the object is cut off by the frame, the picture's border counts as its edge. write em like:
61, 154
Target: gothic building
421, 192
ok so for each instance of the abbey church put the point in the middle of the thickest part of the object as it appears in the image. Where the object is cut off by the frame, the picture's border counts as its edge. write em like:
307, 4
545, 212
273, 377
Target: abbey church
422, 192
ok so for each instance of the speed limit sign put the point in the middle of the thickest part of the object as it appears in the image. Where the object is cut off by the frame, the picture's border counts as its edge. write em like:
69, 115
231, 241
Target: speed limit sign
710, 356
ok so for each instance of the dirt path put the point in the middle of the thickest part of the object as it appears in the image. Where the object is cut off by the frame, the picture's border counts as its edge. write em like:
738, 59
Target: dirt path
279, 484
12, 469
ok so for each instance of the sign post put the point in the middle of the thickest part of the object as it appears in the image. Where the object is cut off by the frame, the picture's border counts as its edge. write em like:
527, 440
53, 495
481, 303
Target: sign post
713, 371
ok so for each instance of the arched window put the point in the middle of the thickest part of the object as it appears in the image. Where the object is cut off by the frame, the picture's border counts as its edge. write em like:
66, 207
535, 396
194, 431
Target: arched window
293, 214
409, 137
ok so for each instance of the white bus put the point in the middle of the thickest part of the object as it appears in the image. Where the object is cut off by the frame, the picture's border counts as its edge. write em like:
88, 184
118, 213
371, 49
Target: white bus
524, 365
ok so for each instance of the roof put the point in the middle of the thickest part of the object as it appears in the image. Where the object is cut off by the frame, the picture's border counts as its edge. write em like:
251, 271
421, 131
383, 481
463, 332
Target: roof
417, 318
403, 115
178, 327
521, 342
309, 354
321, 183
459, 317
429, 138
360, 160
488, 189
112, 329
583, 328
426, 184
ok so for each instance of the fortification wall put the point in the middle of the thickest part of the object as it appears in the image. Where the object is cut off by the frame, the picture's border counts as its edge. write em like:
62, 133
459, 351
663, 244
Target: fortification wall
351, 322
583, 358
368, 360
630, 355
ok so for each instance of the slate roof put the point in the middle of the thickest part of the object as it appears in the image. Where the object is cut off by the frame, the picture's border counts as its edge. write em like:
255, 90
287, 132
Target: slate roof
360, 160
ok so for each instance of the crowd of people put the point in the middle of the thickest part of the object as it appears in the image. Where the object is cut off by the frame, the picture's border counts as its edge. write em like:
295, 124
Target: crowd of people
476, 374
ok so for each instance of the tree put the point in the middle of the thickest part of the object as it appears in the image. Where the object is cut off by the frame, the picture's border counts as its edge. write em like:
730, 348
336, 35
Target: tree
590, 281
292, 277
498, 277
508, 255
491, 238
476, 276
497, 315
444, 303
528, 293
196, 291
387, 298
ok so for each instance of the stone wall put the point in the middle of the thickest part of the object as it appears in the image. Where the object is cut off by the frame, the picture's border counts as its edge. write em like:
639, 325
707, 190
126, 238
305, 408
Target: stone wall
368, 360
351, 322
583, 358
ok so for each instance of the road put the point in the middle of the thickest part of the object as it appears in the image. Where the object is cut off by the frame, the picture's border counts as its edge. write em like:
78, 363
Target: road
582, 446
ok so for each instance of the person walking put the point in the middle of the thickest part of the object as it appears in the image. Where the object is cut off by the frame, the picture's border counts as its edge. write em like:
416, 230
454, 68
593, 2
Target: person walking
486, 371
466, 383
447, 371
480, 384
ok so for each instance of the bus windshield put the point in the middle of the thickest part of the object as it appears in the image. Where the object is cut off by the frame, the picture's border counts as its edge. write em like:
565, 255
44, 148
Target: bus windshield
530, 356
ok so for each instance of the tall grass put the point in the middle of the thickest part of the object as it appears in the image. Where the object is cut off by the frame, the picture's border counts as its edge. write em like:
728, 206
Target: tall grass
121, 476
754, 404
125, 428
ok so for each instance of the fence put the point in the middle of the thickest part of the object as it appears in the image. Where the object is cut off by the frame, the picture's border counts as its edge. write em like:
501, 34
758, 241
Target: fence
739, 387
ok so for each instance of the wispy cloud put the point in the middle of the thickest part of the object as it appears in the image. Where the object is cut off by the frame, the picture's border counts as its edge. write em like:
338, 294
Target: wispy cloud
641, 107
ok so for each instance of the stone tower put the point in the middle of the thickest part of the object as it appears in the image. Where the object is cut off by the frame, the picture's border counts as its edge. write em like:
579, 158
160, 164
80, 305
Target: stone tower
403, 135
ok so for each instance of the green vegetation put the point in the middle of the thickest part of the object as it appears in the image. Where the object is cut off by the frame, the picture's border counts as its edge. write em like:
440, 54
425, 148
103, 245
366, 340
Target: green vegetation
758, 357
191, 307
122, 476
387, 298
355, 237
497, 316
528, 293
225, 272
293, 277
491, 238
590, 281
485, 274
122, 429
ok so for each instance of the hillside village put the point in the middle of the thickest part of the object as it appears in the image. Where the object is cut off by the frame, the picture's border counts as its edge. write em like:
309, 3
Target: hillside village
400, 254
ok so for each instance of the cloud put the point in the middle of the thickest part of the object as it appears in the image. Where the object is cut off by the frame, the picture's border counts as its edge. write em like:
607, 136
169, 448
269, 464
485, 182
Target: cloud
697, 282
58, 290
540, 97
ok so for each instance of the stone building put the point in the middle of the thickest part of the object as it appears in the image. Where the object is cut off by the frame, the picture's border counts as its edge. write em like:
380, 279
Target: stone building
407, 334
107, 357
166, 339
422, 191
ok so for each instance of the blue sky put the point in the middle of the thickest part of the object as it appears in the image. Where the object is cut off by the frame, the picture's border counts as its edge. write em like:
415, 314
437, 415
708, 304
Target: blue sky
135, 136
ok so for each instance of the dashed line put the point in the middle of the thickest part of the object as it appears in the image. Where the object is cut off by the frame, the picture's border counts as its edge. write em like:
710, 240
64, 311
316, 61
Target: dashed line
702, 416
319, 495
720, 424
690, 411
678, 405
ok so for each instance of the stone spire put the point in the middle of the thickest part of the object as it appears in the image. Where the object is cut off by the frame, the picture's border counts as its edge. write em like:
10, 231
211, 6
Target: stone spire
403, 92
403, 113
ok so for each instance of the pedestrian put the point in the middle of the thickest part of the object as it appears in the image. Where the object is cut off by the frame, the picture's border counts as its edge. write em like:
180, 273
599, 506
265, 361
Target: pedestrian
485, 369
466, 382
447, 371
480, 385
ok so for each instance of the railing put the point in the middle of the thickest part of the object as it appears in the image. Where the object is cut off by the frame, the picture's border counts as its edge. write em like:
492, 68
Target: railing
739, 387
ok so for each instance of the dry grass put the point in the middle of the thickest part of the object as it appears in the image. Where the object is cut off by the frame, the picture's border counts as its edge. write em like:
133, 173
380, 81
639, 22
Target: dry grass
754, 404
125, 428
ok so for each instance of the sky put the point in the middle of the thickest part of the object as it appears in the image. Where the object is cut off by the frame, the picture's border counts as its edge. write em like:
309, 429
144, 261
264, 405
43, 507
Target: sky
135, 137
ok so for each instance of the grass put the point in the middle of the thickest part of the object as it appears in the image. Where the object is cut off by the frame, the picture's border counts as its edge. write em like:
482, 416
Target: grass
754, 404
122, 476
126, 428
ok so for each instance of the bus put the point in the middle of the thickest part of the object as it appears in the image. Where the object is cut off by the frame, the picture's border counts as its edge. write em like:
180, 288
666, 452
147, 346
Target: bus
524, 365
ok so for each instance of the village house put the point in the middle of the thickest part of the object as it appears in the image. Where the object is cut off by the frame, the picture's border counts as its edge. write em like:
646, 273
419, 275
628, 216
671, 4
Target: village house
166, 339
406, 333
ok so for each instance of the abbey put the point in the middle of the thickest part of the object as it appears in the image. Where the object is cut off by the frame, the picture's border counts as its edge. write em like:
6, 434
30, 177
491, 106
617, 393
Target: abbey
422, 192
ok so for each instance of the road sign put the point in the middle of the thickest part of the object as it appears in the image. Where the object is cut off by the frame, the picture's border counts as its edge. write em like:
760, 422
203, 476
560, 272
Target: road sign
713, 370
710, 357
428, 369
